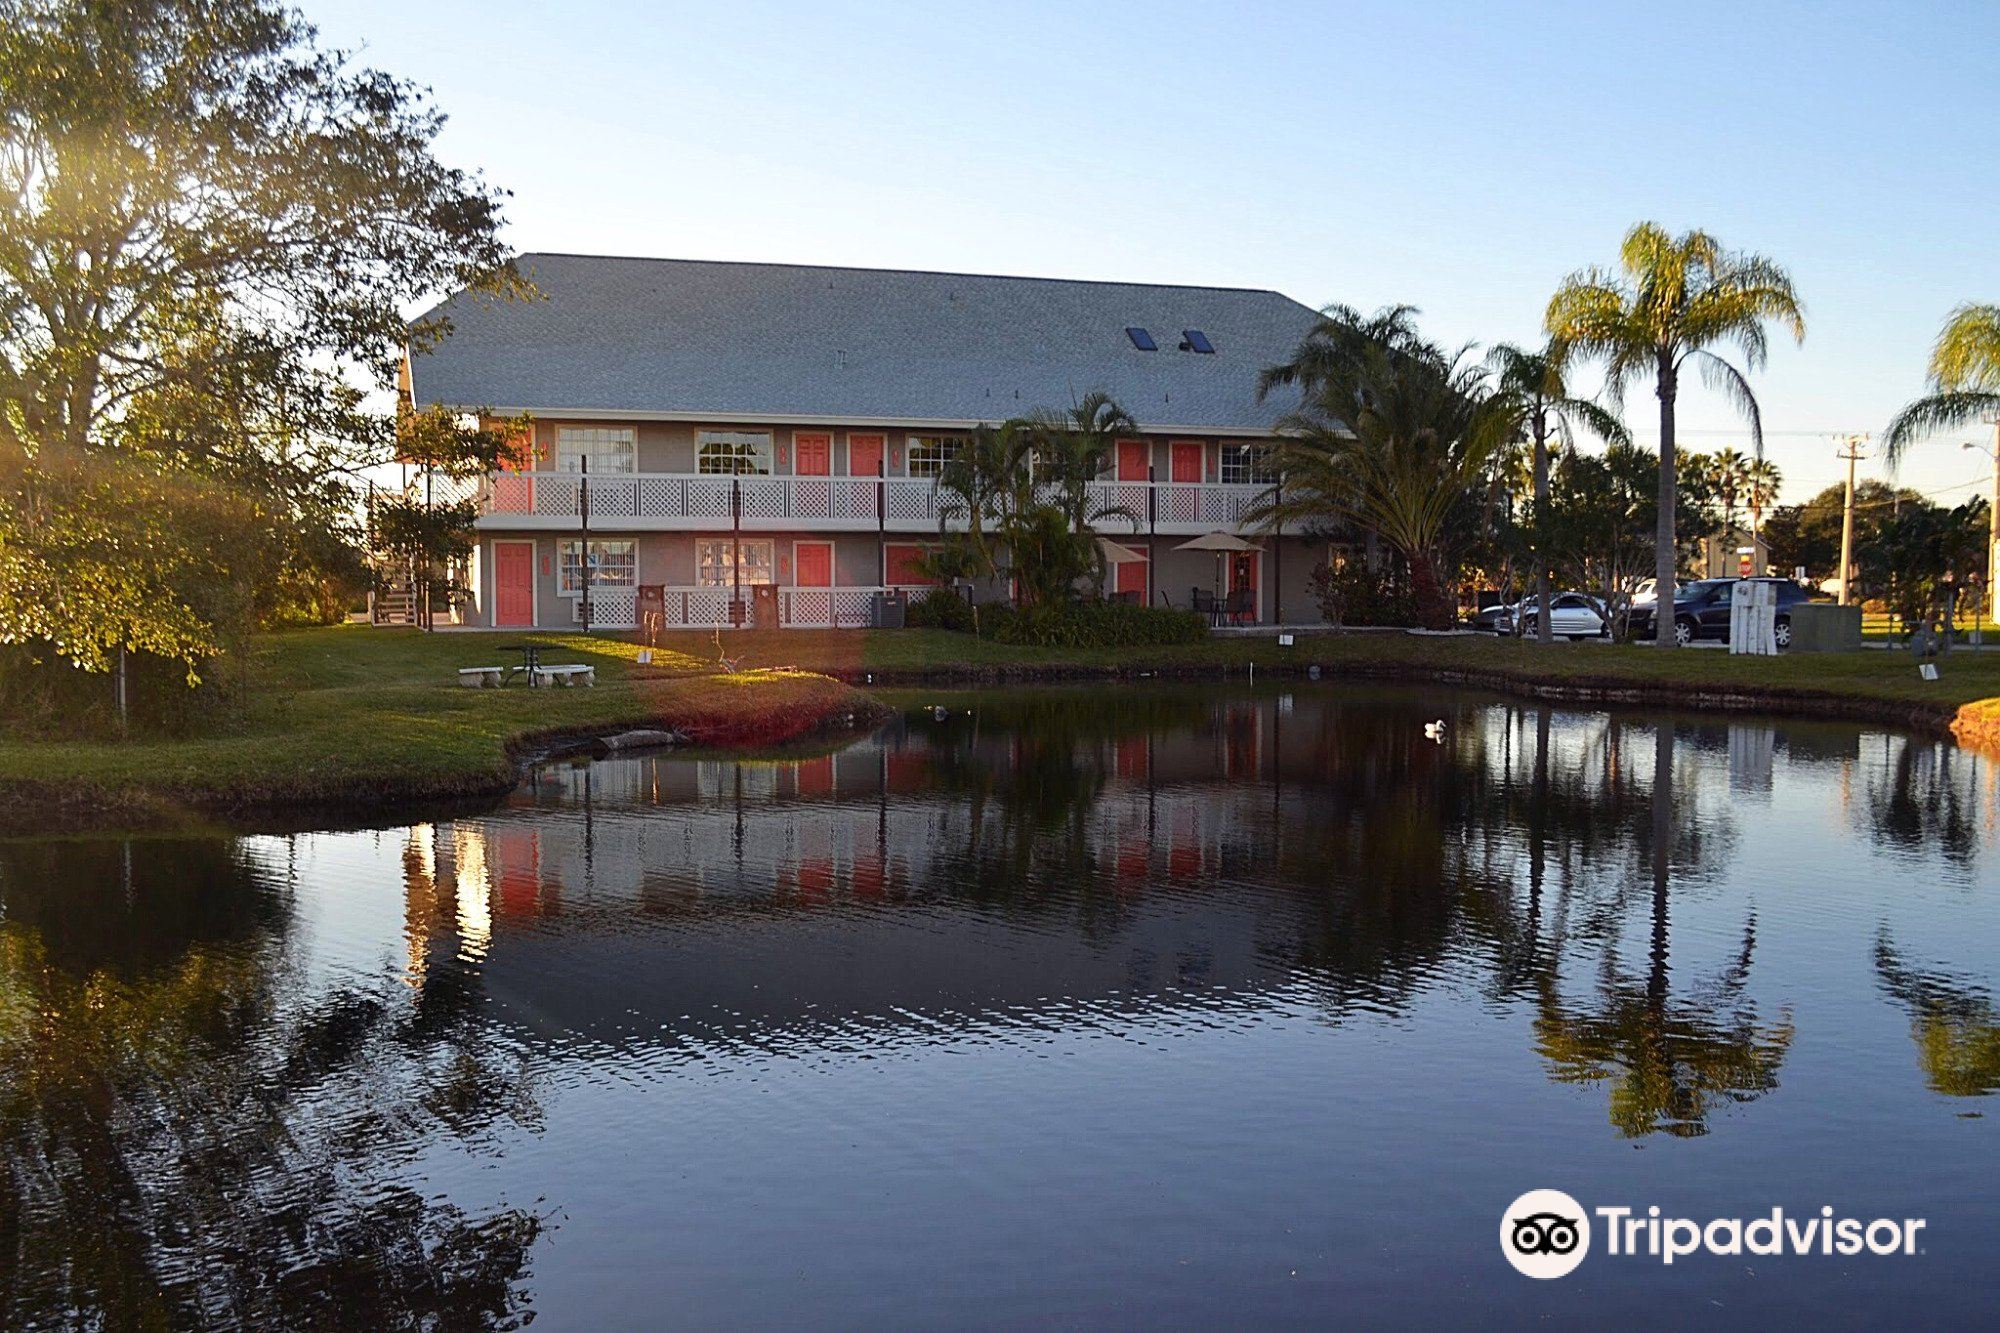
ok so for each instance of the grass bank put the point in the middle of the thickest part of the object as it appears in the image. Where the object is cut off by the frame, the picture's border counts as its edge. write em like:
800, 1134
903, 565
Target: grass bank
1872, 685
357, 717
353, 717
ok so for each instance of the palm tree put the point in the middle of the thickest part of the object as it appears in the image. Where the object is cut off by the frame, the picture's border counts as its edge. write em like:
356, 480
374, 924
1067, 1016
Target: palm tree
1965, 380
1676, 297
1530, 386
1761, 480
1729, 469
1391, 431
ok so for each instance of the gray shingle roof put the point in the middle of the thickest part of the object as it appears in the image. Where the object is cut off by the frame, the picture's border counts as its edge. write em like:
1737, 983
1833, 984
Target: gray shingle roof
789, 342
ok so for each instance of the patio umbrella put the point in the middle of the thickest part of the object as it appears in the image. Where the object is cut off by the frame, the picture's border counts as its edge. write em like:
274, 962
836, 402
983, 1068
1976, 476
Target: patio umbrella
1220, 543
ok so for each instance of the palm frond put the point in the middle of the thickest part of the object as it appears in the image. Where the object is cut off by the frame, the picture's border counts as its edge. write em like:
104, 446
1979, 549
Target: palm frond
1727, 380
1938, 412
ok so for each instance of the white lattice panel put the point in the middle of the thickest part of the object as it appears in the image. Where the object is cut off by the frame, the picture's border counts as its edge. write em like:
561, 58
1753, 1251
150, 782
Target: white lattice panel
708, 498
808, 607
910, 501
610, 608
613, 499
765, 497
854, 499
663, 497
853, 606
812, 497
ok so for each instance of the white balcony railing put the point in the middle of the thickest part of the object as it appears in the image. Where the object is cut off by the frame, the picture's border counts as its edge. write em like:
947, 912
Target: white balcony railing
710, 608
903, 504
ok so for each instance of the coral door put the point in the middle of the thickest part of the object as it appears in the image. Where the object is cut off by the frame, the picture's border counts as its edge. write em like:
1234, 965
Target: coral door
1186, 461
815, 564
815, 455
1132, 577
864, 455
1243, 579
513, 583
1132, 460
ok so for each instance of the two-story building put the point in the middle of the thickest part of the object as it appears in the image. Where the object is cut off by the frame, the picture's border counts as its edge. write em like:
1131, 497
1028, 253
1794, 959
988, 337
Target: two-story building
703, 430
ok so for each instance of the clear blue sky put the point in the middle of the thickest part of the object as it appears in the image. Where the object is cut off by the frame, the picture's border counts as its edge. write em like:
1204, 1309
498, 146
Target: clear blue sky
1461, 157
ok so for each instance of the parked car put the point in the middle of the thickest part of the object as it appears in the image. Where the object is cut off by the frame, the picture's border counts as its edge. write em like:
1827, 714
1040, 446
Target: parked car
1646, 594
1701, 610
1488, 617
1572, 615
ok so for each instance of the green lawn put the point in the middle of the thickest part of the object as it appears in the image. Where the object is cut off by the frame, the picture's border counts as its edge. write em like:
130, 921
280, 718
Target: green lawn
353, 713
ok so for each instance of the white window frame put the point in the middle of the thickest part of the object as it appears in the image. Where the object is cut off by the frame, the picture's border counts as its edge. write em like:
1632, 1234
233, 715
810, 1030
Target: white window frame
735, 448
612, 450
614, 563
713, 557
1251, 464
935, 450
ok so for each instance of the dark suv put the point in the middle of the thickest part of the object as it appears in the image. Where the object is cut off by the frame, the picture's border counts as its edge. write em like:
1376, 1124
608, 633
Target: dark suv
1701, 610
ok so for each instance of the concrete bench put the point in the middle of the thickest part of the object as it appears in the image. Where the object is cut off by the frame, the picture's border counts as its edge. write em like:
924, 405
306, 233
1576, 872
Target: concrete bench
475, 678
575, 674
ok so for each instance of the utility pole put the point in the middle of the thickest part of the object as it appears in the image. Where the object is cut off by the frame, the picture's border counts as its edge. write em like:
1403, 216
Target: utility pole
1992, 523
1851, 451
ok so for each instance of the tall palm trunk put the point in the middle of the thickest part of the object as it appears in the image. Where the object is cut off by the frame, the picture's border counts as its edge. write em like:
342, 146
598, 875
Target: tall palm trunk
1663, 536
1545, 631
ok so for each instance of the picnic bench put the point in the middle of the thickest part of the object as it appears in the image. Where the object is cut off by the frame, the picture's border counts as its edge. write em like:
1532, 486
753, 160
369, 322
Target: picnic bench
481, 677
574, 674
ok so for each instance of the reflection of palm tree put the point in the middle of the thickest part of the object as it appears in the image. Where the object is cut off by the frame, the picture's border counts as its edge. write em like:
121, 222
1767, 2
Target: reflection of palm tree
1953, 1019
1673, 1060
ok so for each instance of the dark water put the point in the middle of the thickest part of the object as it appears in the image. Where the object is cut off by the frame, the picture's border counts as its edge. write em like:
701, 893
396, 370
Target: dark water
1094, 1007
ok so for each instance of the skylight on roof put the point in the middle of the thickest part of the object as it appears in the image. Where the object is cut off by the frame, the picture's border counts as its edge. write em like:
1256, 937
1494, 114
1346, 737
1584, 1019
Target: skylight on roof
1141, 339
1194, 340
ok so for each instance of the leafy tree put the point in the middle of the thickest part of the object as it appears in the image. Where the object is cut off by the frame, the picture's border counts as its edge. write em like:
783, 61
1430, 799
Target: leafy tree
1761, 482
1600, 524
1808, 534
1530, 384
1391, 430
1964, 376
1675, 299
1922, 555
209, 230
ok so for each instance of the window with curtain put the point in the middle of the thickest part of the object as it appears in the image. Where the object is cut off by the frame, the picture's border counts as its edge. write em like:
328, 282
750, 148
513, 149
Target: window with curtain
612, 564
609, 448
715, 565
733, 452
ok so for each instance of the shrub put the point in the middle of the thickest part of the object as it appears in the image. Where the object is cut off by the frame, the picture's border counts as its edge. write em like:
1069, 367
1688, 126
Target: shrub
945, 608
1352, 594
1091, 625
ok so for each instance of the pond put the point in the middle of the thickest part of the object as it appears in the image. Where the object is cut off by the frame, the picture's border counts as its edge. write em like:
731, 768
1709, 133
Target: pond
1096, 1006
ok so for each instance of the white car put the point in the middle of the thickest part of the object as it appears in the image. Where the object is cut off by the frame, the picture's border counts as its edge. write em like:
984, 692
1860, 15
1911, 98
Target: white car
1573, 615
1646, 593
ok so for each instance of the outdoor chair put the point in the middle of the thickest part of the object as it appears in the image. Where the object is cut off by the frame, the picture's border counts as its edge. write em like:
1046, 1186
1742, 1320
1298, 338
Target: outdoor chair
1242, 607
1202, 602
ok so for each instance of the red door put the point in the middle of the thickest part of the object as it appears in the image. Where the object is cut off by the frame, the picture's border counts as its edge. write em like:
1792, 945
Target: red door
1131, 460
815, 564
815, 455
1132, 577
901, 559
1243, 577
1186, 461
513, 583
513, 493
864, 455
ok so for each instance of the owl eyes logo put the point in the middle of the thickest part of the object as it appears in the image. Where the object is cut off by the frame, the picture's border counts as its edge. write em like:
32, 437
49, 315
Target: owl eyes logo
1545, 1234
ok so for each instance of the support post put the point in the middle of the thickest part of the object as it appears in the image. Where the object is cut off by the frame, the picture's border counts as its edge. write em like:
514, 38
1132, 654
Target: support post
583, 518
736, 613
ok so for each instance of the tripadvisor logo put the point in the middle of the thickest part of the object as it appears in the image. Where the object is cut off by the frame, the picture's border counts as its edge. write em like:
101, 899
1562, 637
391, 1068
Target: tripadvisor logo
1546, 1234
